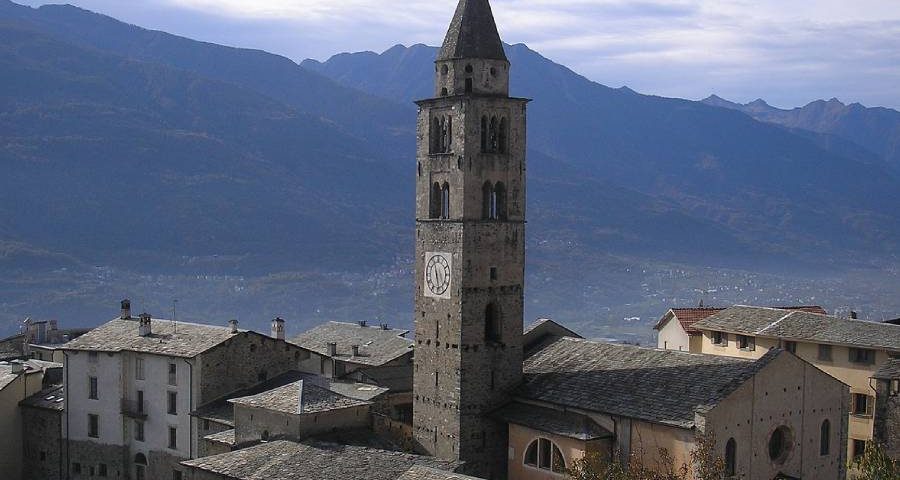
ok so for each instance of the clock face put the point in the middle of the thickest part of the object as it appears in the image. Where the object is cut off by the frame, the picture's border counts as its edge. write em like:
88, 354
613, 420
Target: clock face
437, 275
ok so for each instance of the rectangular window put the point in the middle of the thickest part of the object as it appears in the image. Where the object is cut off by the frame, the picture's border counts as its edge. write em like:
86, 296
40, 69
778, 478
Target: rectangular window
824, 353
93, 425
139, 368
173, 403
859, 448
101, 470
140, 401
173, 374
790, 346
746, 343
176, 475
720, 338
93, 357
205, 424
173, 438
493, 273
862, 404
139, 430
544, 454
76, 468
862, 356
92, 388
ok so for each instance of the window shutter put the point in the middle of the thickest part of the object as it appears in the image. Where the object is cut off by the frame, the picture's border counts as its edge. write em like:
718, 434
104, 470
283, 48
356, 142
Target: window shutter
852, 354
752, 344
870, 405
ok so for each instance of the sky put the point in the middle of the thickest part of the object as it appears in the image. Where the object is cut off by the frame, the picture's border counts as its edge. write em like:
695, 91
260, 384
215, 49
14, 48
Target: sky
788, 52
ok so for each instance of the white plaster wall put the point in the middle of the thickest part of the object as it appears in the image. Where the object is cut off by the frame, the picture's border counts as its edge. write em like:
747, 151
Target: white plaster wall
78, 368
156, 387
673, 337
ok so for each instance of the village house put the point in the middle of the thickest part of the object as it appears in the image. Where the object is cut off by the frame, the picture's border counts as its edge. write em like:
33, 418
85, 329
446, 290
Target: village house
42, 436
675, 330
19, 379
132, 383
848, 349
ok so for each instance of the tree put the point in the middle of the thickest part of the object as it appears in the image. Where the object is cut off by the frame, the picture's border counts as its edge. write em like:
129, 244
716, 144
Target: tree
875, 464
705, 465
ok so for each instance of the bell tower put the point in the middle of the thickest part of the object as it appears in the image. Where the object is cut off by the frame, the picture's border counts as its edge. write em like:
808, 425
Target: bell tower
470, 247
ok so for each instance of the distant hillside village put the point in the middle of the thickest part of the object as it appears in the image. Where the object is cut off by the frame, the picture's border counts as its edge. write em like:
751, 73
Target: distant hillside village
775, 392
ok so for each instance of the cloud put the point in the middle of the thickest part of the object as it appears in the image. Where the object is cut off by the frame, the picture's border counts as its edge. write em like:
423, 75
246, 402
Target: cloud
788, 52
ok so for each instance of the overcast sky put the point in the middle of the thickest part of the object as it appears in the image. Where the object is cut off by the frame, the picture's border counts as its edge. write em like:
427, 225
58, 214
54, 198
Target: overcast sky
788, 52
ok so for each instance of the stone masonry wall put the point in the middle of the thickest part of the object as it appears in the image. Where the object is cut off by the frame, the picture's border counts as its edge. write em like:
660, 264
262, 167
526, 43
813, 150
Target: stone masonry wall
887, 418
41, 442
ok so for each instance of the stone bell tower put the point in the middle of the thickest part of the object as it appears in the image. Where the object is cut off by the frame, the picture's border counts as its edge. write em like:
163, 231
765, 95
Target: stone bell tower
470, 247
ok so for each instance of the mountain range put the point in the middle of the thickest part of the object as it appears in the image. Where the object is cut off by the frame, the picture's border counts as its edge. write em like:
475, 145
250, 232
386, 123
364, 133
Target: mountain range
165, 159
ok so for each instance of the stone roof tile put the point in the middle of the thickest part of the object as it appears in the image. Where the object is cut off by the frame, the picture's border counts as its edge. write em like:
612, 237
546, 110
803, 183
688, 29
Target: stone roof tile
176, 339
286, 460
50, 398
566, 424
377, 346
803, 326
659, 386
472, 33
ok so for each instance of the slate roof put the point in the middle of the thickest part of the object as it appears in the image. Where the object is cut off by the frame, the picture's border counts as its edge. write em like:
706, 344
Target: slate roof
225, 437
889, 371
287, 398
397, 378
804, 326
179, 339
660, 386
377, 346
687, 317
472, 33
566, 424
286, 460
418, 472
50, 398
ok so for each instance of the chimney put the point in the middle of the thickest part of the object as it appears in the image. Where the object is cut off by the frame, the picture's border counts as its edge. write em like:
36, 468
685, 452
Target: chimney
362, 323
278, 328
17, 368
385, 326
853, 315
355, 350
126, 310
234, 326
144, 329
332, 349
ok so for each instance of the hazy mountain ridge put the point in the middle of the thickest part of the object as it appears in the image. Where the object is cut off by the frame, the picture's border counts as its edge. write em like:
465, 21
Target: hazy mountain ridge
874, 128
157, 164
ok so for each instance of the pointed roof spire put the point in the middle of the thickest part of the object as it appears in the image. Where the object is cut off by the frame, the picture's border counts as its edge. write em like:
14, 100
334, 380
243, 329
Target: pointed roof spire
473, 33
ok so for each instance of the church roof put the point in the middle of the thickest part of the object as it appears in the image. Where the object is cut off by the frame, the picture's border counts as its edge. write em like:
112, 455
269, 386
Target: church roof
557, 422
660, 386
473, 33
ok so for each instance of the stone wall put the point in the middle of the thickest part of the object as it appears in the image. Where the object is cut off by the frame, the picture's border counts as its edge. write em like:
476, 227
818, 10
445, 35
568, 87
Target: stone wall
88, 457
887, 418
42, 444
205, 447
161, 465
243, 361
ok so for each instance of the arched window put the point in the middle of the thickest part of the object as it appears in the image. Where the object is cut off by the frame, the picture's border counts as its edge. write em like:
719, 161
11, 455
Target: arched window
499, 201
492, 135
434, 210
444, 92
445, 201
487, 192
825, 438
730, 458
544, 454
469, 85
484, 134
502, 136
434, 135
140, 466
448, 135
492, 323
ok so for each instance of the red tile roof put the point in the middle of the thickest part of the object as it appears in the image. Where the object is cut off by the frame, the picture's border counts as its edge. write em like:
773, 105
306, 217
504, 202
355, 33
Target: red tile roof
689, 316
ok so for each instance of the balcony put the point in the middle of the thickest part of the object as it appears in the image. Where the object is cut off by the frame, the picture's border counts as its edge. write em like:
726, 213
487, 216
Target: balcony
133, 409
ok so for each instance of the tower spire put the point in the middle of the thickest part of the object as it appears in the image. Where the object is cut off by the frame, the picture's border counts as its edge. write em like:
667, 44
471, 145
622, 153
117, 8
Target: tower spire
472, 33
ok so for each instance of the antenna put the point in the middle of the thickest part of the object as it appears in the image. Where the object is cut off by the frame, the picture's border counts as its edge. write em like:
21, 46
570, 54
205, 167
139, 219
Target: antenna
174, 315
